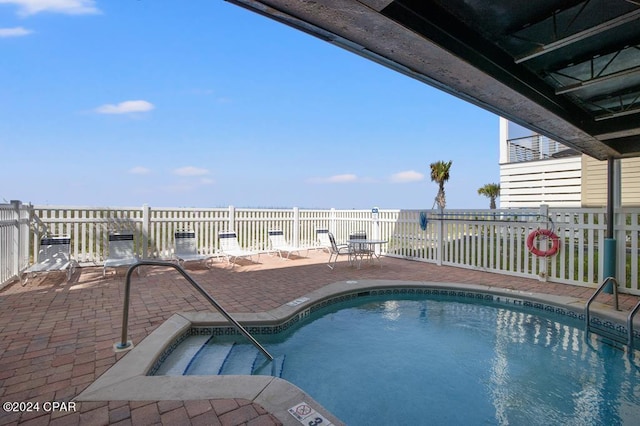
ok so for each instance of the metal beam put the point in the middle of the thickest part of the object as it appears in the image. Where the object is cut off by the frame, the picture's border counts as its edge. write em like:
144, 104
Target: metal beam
598, 80
617, 114
625, 146
581, 35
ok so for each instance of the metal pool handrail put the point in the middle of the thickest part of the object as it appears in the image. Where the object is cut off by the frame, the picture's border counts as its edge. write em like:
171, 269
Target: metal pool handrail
592, 298
125, 314
633, 313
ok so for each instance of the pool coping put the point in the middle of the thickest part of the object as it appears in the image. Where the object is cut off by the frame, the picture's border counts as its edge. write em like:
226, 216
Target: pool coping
127, 379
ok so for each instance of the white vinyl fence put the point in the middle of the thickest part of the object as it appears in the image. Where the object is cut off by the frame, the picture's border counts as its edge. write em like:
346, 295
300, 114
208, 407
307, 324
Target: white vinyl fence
154, 227
495, 241
488, 240
15, 220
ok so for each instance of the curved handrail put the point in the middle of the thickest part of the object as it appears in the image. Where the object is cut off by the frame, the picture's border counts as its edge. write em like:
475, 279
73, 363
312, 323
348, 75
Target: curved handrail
125, 314
592, 298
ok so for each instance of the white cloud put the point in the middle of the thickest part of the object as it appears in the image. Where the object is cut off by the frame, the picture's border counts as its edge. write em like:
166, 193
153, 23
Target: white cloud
139, 170
69, 7
125, 107
206, 181
344, 178
190, 171
14, 32
407, 176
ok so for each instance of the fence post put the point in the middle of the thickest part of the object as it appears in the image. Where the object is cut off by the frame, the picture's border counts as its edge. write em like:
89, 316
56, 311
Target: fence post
146, 229
232, 219
375, 228
440, 244
375, 223
542, 260
17, 252
332, 221
619, 235
296, 226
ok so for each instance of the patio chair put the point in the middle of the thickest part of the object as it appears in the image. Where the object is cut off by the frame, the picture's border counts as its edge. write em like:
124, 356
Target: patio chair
279, 244
121, 252
336, 250
322, 234
54, 255
186, 249
231, 248
360, 251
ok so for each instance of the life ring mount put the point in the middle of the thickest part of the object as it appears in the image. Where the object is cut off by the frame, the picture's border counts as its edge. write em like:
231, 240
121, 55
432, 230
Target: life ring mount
546, 234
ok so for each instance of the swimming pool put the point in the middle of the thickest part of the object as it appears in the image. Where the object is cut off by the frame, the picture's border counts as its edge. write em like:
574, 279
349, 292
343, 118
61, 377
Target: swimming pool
422, 360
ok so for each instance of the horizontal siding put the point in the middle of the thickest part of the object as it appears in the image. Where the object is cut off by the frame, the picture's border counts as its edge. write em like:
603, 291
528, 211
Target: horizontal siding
515, 204
553, 182
630, 171
542, 190
535, 176
548, 165
594, 182
546, 197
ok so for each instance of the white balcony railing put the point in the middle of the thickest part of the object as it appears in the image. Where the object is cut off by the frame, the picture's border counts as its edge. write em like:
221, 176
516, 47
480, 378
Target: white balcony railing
536, 147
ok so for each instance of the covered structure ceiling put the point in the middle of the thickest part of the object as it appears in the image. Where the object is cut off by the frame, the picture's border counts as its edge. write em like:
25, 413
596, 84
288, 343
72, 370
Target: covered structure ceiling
567, 69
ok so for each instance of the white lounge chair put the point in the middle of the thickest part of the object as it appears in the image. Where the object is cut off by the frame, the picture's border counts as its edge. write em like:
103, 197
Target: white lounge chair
336, 250
231, 248
279, 244
121, 251
186, 248
54, 255
322, 234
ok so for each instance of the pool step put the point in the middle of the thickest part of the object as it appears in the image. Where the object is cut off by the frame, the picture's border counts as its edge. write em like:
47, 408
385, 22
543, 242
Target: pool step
240, 360
203, 355
245, 359
209, 360
178, 361
266, 368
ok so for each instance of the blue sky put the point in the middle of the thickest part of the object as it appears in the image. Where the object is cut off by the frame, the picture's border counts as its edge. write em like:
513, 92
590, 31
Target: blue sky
201, 103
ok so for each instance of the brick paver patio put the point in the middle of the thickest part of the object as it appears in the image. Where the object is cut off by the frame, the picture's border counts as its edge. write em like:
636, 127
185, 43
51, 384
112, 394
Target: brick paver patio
56, 337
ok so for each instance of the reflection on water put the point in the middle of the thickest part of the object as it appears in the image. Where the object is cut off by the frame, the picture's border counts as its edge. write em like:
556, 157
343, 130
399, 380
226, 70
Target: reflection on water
596, 378
442, 362
391, 310
538, 370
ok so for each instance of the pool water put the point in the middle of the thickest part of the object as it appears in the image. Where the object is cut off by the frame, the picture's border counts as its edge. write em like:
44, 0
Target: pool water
443, 362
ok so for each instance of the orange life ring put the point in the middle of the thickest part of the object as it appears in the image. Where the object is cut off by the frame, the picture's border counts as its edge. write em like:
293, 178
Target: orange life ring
555, 242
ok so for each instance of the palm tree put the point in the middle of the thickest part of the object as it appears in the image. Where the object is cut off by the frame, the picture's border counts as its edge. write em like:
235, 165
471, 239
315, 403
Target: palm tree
440, 174
491, 190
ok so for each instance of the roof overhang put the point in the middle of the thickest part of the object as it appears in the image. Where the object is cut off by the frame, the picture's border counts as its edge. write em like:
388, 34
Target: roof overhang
567, 69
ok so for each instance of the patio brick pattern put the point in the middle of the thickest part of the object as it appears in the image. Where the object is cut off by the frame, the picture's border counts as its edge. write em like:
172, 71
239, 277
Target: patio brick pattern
56, 338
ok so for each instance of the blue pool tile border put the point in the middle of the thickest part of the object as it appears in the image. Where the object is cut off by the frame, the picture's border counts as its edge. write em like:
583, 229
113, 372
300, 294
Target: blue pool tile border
168, 350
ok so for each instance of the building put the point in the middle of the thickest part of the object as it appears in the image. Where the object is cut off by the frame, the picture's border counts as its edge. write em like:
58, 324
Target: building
536, 170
